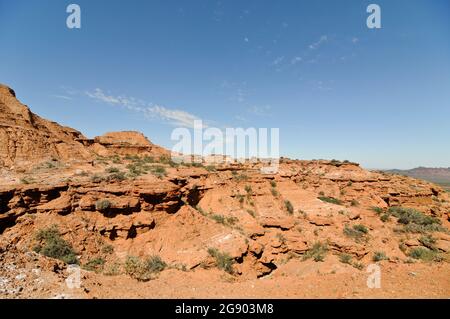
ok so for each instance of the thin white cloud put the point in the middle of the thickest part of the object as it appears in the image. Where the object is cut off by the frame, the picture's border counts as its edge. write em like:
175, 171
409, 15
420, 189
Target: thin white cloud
63, 97
355, 40
278, 60
172, 116
319, 42
296, 60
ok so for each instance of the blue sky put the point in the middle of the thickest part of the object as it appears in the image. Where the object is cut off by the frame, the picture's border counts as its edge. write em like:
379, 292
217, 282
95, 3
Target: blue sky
335, 88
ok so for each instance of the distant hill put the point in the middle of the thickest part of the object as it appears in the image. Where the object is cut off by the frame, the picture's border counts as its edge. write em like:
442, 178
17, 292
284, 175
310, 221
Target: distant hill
439, 175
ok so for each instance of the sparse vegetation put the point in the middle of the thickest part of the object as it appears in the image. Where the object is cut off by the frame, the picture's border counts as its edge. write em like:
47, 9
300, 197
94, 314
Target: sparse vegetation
289, 207
27, 180
331, 200
273, 184
384, 218
221, 219
144, 270
52, 245
345, 258
223, 260
379, 255
102, 204
95, 264
354, 203
424, 254
107, 249
274, 192
317, 252
428, 241
357, 232
414, 221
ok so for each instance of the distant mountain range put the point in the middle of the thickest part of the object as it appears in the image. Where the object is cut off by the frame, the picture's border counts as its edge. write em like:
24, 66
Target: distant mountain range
439, 175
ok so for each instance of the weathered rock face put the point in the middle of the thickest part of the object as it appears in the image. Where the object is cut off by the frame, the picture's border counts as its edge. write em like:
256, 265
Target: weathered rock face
25, 137
143, 207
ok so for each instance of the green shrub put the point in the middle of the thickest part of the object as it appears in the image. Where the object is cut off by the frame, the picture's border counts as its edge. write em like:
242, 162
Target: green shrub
248, 189
274, 192
251, 212
330, 200
415, 221
210, 168
221, 219
159, 171
273, 184
317, 252
379, 255
354, 203
428, 241
102, 204
95, 264
144, 270
424, 254
289, 207
384, 218
52, 245
107, 249
377, 210
345, 258
358, 265
96, 178
357, 232
112, 170
223, 260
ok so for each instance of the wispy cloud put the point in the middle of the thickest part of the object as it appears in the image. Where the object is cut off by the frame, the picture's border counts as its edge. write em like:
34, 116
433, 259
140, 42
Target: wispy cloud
63, 97
278, 60
296, 60
319, 42
174, 117
355, 40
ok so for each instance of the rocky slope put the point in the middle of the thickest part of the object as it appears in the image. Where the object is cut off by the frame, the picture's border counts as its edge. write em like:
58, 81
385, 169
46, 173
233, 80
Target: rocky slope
130, 217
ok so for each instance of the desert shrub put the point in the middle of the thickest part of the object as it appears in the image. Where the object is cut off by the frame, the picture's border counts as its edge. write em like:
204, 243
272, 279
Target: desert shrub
251, 212
107, 249
424, 254
210, 168
361, 228
223, 260
357, 232
144, 270
415, 221
273, 184
274, 192
240, 198
159, 171
384, 218
248, 189
112, 170
289, 207
27, 180
95, 264
379, 255
281, 238
428, 241
345, 258
96, 178
377, 210
317, 252
241, 177
102, 204
331, 200
116, 176
52, 245
354, 203
358, 265
221, 219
